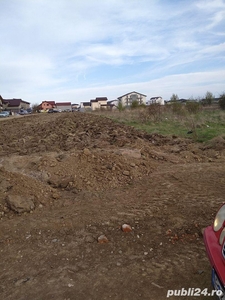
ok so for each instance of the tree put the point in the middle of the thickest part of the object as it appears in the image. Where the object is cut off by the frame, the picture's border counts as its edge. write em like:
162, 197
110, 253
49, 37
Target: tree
222, 101
35, 107
192, 107
176, 105
134, 104
120, 106
174, 98
209, 98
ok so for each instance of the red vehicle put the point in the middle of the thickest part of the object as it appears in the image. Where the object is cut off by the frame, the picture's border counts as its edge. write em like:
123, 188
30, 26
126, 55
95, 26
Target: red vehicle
214, 239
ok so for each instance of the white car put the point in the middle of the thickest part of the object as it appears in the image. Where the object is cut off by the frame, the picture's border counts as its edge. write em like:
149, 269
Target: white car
4, 114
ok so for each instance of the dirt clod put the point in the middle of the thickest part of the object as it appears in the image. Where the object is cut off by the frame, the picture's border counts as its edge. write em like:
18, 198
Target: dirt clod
20, 204
102, 239
126, 228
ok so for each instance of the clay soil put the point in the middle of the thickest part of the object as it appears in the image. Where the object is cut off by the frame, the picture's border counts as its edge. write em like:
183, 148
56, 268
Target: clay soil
86, 176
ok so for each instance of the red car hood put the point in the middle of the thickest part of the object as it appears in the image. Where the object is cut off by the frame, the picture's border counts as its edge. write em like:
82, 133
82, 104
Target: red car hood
214, 252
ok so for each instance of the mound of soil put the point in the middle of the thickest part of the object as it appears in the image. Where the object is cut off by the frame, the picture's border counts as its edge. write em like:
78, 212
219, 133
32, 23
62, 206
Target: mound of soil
217, 143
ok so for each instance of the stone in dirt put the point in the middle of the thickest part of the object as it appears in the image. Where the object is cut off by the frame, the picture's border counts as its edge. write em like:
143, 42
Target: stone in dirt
126, 228
102, 239
126, 173
20, 204
87, 151
55, 196
58, 182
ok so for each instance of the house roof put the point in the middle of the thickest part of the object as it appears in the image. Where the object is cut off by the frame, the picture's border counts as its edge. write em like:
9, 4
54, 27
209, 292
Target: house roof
132, 93
86, 103
49, 102
14, 102
63, 103
101, 98
110, 101
153, 98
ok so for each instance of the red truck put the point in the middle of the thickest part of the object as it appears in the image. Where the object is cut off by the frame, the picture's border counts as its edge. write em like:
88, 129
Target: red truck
214, 239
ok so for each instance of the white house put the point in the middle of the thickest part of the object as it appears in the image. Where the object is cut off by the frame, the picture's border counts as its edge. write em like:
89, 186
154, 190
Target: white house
85, 106
98, 103
75, 106
128, 98
112, 104
64, 106
157, 99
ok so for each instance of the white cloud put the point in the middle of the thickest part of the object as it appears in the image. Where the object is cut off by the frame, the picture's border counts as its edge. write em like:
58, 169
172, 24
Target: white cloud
49, 48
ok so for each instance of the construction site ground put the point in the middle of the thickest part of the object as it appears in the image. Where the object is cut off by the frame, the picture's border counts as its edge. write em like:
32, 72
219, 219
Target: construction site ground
67, 179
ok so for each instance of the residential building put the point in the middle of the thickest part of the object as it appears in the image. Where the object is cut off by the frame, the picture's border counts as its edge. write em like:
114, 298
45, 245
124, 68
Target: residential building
75, 106
94, 104
128, 98
1, 102
85, 106
112, 104
155, 100
46, 105
14, 105
99, 103
64, 106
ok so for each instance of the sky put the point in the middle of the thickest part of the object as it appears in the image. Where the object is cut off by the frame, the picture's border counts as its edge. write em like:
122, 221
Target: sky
77, 50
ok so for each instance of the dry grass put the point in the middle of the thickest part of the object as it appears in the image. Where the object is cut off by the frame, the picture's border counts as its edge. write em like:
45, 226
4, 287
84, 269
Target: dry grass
202, 123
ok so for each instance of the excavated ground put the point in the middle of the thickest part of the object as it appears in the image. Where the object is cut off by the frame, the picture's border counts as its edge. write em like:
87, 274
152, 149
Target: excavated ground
66, 179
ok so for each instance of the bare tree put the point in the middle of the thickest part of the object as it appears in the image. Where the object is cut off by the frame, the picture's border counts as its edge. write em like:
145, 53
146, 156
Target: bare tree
174, 98
35, 107
222, 101
209, 98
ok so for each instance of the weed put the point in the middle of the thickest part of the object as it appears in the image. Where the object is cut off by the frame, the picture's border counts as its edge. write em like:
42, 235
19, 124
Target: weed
202, 124
222, 101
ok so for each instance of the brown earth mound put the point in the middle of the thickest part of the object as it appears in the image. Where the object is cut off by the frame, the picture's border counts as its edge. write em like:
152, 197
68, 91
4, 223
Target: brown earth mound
217, 143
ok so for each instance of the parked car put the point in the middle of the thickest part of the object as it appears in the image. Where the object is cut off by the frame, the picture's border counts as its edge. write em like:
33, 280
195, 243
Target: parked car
29, 110
4, 114
52, 110
23, 112
214, 239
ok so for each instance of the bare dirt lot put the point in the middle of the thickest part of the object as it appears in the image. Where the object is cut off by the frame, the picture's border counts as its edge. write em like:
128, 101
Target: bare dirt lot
66, 179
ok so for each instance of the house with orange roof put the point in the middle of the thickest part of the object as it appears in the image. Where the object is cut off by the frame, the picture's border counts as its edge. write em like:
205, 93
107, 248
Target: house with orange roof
46, 105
